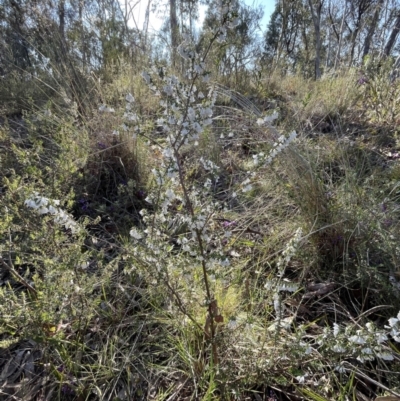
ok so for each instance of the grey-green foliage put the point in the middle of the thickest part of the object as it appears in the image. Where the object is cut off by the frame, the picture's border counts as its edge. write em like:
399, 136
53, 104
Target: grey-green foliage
43, 263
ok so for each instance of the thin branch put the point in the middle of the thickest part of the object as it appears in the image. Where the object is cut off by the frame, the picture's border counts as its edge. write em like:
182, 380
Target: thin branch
19, 278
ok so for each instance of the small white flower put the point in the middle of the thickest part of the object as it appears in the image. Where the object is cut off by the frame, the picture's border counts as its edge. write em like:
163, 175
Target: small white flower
206, 78
146, 77
395, 334
370, 327
385, 355
198, 128
234, 23
357, 339
105, 109
168, 90
367, 351
53, 210
381, 338
301, 379
340, 369
131, 116
269, 285
134, 233
277, 305
289, 287
43, 210
206, 112
338, 349
198, 68
221, 39
232, 324
30, 203
336, 329
170, 194
225, 263
129, 98
272, 117
84, 265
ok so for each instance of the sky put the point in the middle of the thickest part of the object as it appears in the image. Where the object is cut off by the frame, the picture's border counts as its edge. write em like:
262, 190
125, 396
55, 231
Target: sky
268, 7
155, 22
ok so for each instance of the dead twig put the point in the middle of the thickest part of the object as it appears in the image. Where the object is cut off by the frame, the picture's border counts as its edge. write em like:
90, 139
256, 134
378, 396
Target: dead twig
18, 277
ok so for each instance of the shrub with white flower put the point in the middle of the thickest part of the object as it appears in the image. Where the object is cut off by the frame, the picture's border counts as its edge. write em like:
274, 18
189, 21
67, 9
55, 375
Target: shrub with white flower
362, 343
181, 218
181, 213
43, 205
394, 327
282, 143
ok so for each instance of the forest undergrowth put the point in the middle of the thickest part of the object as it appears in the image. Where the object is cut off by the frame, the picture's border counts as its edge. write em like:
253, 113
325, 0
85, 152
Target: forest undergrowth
168, 237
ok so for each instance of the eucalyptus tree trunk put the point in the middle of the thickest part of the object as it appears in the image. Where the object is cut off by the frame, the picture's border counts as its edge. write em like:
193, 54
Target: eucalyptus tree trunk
316, 17
393, 36
17, 22
61, 26
174, 30
280, 46
146, 25
329, 36
340, 39
372, 28
362, 7
82, 32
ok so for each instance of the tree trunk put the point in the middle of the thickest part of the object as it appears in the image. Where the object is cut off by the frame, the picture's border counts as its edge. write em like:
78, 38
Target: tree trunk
372, 28
61, 26
316, 17
392, 38
82, 32
146, 25
337, 58
17, 22
174, 30
279, 48
329, 36
354, 35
